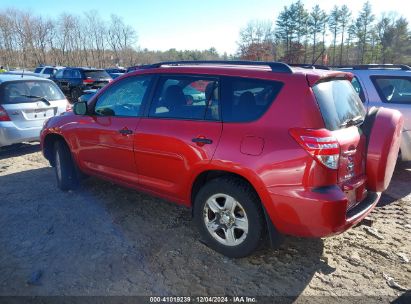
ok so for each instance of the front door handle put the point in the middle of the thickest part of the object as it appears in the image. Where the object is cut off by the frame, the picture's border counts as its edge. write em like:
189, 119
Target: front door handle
201, 141
125, 131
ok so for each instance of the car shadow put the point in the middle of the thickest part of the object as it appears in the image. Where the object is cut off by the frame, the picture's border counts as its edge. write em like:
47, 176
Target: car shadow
18, 150
399, 186
103, 239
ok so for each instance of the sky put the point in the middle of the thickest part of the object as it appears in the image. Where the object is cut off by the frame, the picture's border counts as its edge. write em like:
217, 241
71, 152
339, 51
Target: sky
185, 24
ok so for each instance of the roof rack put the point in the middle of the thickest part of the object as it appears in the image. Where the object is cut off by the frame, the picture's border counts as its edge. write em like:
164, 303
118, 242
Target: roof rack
275, 66
374, 66
309, 66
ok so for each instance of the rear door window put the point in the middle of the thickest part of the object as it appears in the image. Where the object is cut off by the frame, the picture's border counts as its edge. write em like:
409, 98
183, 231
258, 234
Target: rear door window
186, 97
339, 103
28, 91
244, 100
393, 89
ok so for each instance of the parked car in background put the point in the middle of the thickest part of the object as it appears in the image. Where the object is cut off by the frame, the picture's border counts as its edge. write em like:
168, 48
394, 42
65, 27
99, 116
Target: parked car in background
25, 103
87, 95
22, 73
255, 148
47, 71
116, 72
74, 81
389, 86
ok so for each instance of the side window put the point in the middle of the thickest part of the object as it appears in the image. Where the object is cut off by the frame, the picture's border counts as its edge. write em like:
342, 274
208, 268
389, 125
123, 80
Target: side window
49, 71
38, 70
186, 97
357, 87
393, 89
59, 74
67, 74
245, 99
123, 98
76, 74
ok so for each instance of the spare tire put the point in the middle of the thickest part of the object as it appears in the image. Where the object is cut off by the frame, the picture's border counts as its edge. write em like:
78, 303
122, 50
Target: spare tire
383, 129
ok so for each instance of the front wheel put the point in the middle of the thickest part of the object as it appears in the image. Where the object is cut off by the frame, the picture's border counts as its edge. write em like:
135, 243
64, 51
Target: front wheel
229, 217
66, 173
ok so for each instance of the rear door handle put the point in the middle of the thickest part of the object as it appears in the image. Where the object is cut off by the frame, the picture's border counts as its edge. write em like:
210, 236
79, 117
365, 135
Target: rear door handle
201, 141
125, 132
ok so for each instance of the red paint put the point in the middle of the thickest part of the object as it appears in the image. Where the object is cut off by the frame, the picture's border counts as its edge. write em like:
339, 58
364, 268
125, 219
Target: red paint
383, 148
301, 195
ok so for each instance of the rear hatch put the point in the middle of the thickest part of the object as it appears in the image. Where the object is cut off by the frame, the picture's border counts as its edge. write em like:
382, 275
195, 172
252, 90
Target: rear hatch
29, 102
96, 79
343, 114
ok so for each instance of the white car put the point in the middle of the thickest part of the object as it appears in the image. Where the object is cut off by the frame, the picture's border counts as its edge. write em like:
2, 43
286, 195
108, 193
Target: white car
25, 103
47, 71
388, 86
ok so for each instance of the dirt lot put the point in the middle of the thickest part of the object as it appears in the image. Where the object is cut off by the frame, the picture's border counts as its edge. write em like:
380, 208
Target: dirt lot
107, 240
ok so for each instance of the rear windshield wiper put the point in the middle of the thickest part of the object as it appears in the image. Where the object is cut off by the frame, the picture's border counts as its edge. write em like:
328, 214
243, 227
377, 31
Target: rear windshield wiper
354, 121
41, 98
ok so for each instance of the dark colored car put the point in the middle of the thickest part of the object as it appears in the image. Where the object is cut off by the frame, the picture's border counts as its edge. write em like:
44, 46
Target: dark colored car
74, 81
255, 148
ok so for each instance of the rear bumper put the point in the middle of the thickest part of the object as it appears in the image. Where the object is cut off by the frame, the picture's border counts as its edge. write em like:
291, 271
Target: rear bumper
10, 134
317, 212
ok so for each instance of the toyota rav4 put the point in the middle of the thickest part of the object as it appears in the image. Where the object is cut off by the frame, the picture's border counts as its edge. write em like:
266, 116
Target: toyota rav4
257, 149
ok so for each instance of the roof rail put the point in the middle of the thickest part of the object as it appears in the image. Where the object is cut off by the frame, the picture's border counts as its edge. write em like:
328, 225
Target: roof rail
275, 66
309, 66
374, 66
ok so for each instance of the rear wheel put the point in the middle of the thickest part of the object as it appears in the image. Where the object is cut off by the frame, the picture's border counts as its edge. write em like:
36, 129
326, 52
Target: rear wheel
66, 173
229, 217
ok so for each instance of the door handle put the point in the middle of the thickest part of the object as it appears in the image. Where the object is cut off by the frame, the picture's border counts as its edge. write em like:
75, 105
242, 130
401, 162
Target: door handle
201, 141
125, 132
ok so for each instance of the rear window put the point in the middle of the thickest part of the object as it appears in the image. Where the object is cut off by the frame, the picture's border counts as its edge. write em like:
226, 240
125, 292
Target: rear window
26, 91
96, 74
393, 89
339, 103
244, 100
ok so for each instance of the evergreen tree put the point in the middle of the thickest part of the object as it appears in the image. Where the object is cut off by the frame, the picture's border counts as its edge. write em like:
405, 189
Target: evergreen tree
334, 25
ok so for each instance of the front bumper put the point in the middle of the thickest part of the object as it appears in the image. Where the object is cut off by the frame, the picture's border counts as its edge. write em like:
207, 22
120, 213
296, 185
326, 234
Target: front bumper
316, 212
11, 134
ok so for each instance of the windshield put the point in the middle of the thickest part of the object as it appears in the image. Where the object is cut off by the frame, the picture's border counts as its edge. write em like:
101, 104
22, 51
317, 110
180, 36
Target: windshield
339, 104
97, 74
19, 91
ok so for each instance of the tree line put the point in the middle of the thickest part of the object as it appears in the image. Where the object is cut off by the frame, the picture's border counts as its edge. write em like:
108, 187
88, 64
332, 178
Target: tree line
299, 35
27, 40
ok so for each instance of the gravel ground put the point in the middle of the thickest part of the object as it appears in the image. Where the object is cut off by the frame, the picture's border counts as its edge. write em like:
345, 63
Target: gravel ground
107, 240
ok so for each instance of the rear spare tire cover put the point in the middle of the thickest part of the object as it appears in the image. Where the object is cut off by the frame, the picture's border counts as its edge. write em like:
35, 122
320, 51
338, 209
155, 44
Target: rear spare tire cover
384, 137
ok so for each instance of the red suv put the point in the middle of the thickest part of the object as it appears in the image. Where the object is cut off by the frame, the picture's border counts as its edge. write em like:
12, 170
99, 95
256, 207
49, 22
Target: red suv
255, 148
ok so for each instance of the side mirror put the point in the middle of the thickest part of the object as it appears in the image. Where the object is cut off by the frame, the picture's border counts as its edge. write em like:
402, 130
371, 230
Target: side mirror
80, 108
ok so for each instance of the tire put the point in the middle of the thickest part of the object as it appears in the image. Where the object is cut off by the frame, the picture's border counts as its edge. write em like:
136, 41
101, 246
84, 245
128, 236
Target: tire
75, 94
383, 129
233, 232
66, 173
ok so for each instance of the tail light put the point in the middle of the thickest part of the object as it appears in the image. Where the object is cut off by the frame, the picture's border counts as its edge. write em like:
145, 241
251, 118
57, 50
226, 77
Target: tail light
3, 115
88, 81
320, 144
